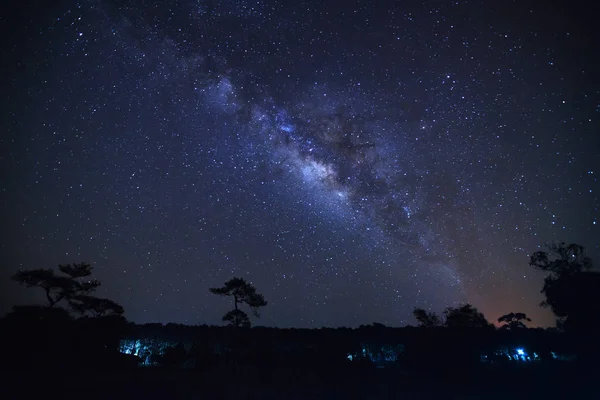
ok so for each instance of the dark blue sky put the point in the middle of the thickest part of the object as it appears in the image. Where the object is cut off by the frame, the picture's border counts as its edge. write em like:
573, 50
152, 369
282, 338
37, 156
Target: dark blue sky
352, 159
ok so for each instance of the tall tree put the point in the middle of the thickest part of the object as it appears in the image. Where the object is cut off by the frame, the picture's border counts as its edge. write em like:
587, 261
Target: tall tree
465, 316
242, 293
59, 287
571, 287
427, 319
514, 321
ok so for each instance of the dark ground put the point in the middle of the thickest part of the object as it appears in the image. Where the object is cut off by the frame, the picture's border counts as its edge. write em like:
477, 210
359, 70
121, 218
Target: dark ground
150, 383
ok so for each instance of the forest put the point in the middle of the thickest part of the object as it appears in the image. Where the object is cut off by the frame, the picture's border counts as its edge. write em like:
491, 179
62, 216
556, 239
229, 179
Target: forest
78, 335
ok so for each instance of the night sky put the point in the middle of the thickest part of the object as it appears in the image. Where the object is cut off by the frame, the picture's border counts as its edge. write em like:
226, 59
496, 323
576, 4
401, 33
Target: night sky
352, 159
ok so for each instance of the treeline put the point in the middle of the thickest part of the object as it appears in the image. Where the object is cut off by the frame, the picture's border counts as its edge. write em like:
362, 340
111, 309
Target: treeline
370, 346
56, 342
77, 329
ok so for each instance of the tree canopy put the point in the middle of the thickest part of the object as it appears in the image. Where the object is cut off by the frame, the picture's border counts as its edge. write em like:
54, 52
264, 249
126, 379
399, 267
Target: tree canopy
59, 287
571, 288
561, 259
96, 306
71, 287
463, 316
514, 321
427, 319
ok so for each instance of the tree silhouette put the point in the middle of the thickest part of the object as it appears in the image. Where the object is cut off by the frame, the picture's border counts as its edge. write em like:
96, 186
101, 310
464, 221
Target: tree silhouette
514, 321
561, 259
59, 287
571, 288
242, 293
72, 287
95, 306
465, 316
427, 319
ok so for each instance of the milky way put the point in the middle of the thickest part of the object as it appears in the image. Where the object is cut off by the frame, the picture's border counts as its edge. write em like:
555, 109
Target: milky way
353, 160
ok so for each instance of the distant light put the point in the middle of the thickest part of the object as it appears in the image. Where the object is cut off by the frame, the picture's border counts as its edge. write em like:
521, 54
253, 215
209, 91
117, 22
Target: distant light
520, 352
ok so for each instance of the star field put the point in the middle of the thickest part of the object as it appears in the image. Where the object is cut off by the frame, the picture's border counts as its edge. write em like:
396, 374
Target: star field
353, 160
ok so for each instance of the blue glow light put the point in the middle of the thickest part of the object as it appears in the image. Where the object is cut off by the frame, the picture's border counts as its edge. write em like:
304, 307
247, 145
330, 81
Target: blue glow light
146, 349
520, 352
